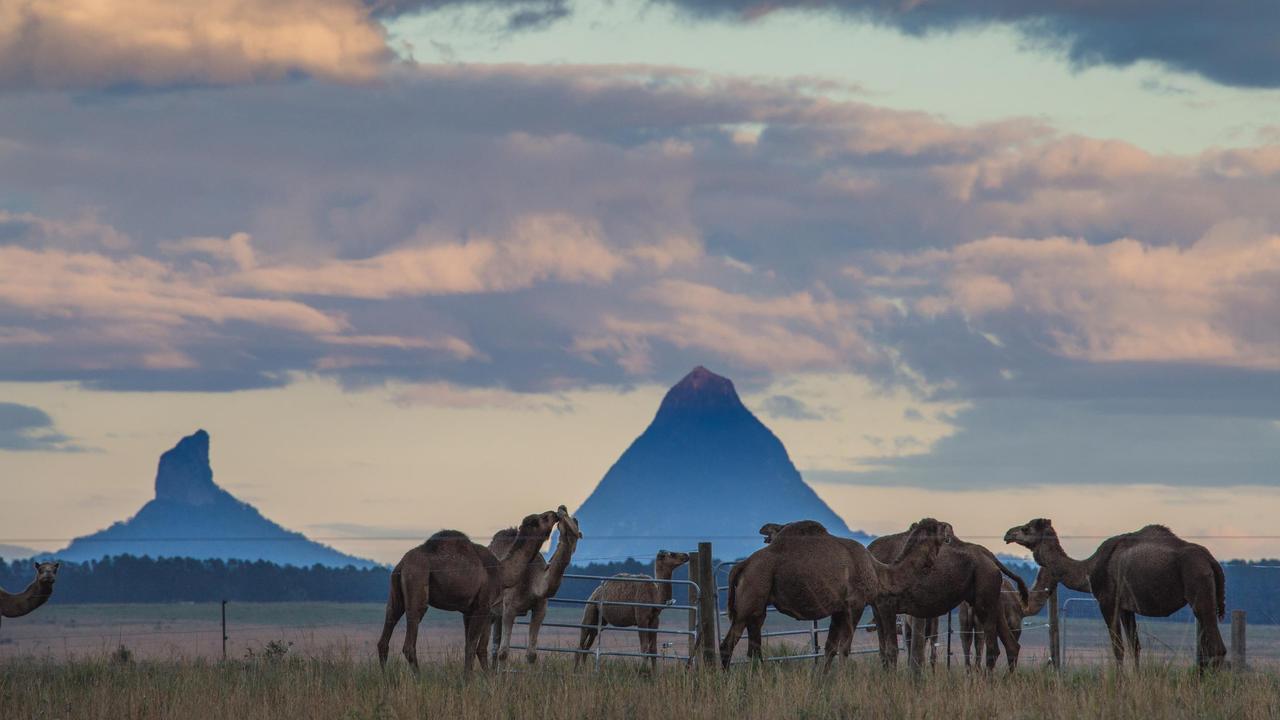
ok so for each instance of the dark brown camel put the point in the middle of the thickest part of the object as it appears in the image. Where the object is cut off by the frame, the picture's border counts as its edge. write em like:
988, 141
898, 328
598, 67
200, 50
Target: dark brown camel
36, 594
1149, 572
449, 572
963, 572
539, 581
809, 574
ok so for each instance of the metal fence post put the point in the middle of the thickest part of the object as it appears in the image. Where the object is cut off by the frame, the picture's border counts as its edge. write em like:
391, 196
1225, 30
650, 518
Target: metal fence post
695, 563
224, 631
1055, 640
949, 612
1237, 640
599, 630
707, 606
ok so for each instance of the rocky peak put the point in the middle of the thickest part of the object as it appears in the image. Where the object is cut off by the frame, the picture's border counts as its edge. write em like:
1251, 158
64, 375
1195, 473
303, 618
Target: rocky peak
701, 390
184, 475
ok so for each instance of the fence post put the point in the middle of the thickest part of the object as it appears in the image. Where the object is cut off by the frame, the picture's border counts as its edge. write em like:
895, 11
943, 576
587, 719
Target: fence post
1055, 638
949, 613
1237, 640
707, 605
224, 631
695, 562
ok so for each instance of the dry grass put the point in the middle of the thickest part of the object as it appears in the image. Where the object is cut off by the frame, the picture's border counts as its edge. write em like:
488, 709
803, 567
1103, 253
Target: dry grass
288, 687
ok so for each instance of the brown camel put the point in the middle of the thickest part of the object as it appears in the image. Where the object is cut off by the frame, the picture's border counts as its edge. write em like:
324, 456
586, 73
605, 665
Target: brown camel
36, 594
809, 574
1149, 572
972, 633
885, 548
644, 618
449, 572
963, 572
538, 582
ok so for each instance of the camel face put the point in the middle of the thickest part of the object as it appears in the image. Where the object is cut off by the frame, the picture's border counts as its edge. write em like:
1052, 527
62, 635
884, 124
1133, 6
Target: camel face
47, 572
540, 525
568, 523
1030, 535
667, 561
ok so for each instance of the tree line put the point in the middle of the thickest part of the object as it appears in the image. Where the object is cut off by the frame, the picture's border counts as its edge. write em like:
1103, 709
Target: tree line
1252, 586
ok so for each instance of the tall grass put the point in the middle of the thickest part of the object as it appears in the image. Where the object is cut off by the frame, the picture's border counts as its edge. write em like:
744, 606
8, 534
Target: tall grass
286, 687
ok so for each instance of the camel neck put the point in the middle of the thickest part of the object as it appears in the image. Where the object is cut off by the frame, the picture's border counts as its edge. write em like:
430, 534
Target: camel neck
513, 565
895, 578
664, 588
559, 563
1039, 594
1064, 569
36, 594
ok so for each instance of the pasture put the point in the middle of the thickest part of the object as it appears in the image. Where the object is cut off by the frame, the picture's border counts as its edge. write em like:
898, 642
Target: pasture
315, 660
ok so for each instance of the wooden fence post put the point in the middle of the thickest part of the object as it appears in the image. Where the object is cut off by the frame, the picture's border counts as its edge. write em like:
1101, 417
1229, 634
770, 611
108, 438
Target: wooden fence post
708, 608
224, 630
1055, 631
694, 563
1237, 640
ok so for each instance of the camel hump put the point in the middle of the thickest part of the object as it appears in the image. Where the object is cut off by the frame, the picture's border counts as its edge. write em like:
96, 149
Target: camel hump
445, 539
503, 540
802, 527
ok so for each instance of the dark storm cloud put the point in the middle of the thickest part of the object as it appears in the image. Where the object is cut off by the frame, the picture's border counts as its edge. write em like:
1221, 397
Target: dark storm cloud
1231, 42
26, 428
1026, 442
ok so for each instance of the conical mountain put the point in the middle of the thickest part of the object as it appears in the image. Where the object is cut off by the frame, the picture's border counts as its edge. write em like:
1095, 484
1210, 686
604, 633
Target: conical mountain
705, 469
192, 517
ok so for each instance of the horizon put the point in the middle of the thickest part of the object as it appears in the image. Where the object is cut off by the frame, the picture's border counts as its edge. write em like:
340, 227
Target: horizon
433, 265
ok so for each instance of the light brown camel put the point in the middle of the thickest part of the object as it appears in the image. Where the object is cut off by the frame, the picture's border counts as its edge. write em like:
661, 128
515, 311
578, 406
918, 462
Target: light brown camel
449, 572
971, 632
963, 572
809, 574
644, 618
36, 594
1148, 572
539, 581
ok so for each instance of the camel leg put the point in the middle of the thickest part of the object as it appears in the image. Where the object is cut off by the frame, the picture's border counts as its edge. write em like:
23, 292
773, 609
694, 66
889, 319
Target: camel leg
508, 626
586, 636
495, 627
966, 634
915, 645
855, 618
1129, 622
887, 629
1110, 616
1210, 650
838, 635
1007, 638
755, 645
649, 643
473, 624
395, 611
535, 625
416, 600
482, 642
730, 641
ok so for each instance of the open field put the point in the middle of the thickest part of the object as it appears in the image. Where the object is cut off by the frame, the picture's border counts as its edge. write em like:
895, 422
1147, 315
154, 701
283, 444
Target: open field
324, 688
192, 631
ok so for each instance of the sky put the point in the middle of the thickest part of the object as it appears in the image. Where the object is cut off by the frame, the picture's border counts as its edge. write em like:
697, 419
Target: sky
423, 265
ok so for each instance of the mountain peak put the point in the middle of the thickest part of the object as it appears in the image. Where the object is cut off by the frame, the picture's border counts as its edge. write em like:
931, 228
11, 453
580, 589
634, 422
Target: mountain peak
701, 389
184, 475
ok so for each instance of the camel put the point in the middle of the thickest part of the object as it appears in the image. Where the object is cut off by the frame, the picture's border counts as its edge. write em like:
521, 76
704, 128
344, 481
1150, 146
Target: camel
36, 594
644, 618
449, 572
538, 582
885, 548
1150, 572
809, 574
963, 572
972, 634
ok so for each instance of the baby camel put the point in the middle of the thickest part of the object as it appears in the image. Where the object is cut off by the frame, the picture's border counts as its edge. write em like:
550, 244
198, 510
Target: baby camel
645, 618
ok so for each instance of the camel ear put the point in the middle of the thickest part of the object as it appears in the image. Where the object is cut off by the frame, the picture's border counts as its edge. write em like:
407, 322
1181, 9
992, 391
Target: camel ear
35, 565
57, 566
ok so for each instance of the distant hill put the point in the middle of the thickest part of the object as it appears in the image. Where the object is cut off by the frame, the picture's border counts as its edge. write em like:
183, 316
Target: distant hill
16, 552
705, 469
192, 517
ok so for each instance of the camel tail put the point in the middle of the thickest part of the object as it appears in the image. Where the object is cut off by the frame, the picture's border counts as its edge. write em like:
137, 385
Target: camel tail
1220, 580
1017, 580
732, 604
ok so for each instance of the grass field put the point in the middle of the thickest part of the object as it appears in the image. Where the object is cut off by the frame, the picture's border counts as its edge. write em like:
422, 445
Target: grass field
322, 688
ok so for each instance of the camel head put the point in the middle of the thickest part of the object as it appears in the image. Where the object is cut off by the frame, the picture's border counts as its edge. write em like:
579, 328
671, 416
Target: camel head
768, 530
932, 535
568, 523
47, 572
668, 561
538, 527
1032, 534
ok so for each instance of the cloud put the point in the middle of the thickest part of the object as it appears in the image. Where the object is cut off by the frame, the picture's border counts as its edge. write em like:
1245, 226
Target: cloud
1231, 42
74, 44
788, 407
1122, 301
27, 428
